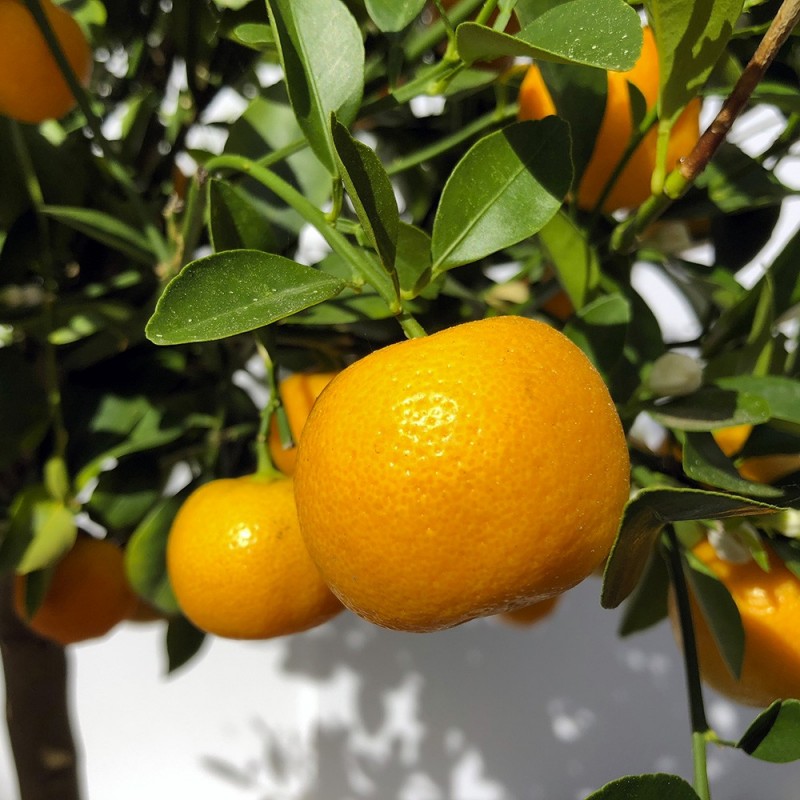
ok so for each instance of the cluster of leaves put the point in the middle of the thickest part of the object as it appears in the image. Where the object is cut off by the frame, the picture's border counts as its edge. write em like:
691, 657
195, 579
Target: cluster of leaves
150, 241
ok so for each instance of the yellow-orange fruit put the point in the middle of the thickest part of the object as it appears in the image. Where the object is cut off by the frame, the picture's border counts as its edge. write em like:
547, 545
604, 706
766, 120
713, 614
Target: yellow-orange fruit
529, 615
462, 474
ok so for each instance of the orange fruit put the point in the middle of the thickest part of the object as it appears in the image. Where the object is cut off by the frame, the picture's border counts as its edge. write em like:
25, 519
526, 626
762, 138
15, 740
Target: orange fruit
530, 615
769, 605
238, 565
760, 469
298, 393
87, 596
616, 128
462, 474
32, 88
732, 438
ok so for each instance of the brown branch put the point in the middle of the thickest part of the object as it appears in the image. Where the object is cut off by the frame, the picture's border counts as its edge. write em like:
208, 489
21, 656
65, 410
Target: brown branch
37, 708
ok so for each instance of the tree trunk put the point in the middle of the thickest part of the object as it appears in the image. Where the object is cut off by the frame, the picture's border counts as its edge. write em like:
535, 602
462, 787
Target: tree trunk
37, 709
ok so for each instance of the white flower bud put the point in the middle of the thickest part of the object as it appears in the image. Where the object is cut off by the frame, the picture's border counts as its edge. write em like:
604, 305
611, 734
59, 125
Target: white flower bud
675, 374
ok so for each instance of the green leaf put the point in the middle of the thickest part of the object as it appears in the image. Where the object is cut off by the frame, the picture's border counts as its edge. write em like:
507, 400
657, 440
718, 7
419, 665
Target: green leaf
710, 408
234, 220
781, 394
774, 735
370, 191
254, 34
104, 228
706, 463
183, 642
572, 257
323, 64
600, 329
124, 494
413, 262
233, 292
658, 786
648, 603
507, 187
643, 521
41, 530
393, 15
720, 612
598, 33
146, 556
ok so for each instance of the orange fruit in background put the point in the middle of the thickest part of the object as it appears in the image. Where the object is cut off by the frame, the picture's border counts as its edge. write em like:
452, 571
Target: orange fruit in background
616, 128
769, 605
529, 615
732, 438
238, 565
87, 596
298, 393
32, 88
462, 474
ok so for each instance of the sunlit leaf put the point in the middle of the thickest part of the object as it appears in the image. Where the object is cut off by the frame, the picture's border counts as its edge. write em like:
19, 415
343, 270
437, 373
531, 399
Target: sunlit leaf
775, 734
393, 15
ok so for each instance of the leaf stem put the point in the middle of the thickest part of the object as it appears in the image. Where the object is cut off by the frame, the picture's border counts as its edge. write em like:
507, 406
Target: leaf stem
684, 175
697, 713
264, 466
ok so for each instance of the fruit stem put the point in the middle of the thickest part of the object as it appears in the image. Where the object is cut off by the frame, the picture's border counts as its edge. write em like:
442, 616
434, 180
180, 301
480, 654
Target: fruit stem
264, 466
697, 713
684, 175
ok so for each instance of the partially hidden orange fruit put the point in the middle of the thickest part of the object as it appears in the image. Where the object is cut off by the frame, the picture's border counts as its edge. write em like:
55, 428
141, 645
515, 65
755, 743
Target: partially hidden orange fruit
616, 128
463, 474
298, 393
769, 606
87, 596
529, 615
238, 565
32, 88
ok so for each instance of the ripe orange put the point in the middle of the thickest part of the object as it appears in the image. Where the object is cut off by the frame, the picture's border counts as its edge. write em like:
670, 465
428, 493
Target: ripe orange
462, 474
761, 469
238, 565
32, 88
298, 393
616, 128
731, 439
530, 615
87, 595
769, 605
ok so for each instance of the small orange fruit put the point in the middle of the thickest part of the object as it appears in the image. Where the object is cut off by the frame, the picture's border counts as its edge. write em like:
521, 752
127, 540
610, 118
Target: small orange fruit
769, 605
298, 393
238, 565
732, 438
462, 474
529, 615
616, 128
87, 596
32, 88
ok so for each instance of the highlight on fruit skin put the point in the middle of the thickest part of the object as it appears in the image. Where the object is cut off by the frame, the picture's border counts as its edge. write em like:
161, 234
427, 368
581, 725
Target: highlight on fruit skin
632, 186
460, 475
88, 594
32, 87
769, 606
238, 565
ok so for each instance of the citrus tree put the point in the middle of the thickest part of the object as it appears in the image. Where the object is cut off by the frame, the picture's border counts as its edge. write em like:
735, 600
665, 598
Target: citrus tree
434, 216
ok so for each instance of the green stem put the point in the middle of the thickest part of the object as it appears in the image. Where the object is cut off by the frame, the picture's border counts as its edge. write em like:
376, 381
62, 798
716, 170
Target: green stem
684, 175
264, 466
697, 714
437, 30
452, 140
156, 240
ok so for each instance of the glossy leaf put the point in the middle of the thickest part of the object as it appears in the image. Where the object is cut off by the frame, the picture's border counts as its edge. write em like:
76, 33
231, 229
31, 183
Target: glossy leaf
573, 258
720, 612
781, 394
658, 786
647, 605
645, 517
774, 735
183, 642
324, 66
104, 228
507, 187
597, 33
146, 552
600, 329
413, 262
235, 222
234, 292
706, 463
710, 408
370, 191
393, 15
